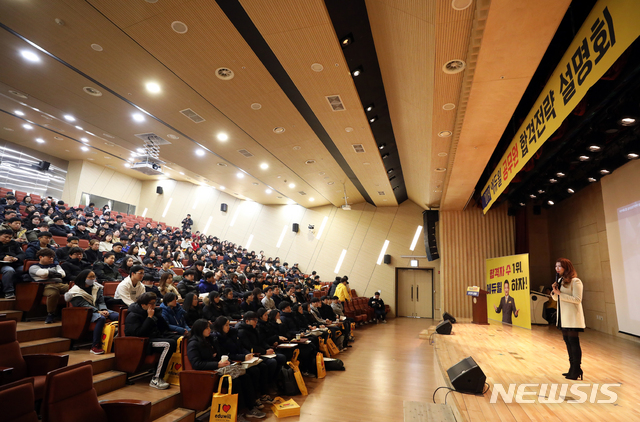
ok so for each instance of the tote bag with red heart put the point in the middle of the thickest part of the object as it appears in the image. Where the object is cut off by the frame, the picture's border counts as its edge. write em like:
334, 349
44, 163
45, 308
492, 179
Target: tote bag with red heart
224, 406
172, 375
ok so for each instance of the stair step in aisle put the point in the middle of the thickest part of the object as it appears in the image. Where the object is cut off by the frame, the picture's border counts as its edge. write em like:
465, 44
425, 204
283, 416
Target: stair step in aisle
7, 305
100, 363
38, 330
47, 345
109, 381
178, 415
162, 401
11, 314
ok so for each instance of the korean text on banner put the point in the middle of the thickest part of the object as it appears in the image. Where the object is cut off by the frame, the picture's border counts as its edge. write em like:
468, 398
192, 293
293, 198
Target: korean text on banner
607, 32
508, 290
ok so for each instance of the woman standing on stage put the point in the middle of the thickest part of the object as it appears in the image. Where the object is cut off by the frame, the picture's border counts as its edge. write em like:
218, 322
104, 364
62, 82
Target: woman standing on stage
567, 291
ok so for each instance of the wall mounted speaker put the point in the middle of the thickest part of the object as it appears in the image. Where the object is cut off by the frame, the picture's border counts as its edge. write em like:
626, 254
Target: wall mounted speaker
430, 218
387, 259
444, 328
159, 190
295, 227
466, 376
223, 207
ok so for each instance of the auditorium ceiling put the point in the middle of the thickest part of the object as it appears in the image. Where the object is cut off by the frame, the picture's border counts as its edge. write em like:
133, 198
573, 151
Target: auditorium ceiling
261, 98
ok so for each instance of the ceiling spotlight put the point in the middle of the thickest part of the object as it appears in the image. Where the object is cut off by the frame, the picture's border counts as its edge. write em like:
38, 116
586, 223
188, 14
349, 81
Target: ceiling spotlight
140, 150
346, 41
584, 158
138, 117
550, 202
540, 191
604, 171
79, 128
311, 199
390, 171
40, 140
30, 55
385, 155
357, 72
19, 113
152, 87
84, 148
522, 204
127, 165
26, 126
571, 190
182, 173
532, 196
381, 146
222, 136
560, 174
628, 121
553, 181
292, 185
632, 156
591, 179
84, 140
264, 166
200, 152
373, 119
594, 148
370, 107
278, 129
222, 188
240, 175
268, 191
69, 118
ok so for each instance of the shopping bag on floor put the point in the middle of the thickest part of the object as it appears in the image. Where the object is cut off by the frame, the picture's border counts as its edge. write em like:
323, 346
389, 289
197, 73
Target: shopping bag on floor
282, 408
294, 364
323, 347
333, 349
172, 375
224, 407
321, 370
108, 333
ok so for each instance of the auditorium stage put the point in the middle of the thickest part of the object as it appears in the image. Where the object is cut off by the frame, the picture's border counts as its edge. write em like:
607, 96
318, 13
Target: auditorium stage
514, 355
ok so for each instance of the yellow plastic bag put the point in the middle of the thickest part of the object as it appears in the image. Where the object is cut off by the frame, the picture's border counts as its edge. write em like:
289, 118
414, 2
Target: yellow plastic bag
108, 333
224, 407
294, 364
283, 409
333, 349
323, 347
321, 370
172, 375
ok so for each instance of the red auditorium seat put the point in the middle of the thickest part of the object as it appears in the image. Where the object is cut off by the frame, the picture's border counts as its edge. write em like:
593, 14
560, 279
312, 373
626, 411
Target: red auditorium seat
196, 387
131, 356
22, 397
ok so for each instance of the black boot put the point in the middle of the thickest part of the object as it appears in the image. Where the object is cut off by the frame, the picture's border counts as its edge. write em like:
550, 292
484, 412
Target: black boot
566, 341
576, 353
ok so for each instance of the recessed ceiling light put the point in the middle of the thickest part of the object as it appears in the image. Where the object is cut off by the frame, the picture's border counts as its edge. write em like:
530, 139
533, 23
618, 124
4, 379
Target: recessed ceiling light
222, 188
18, 94
390, 171
604, 171
278, 129
222, 136
627, 121
92, 91
310, 162
540, 191
222, 164
532, 196
311, 199
292, 185
594, 148
522, 204
445, 134
591, 179
264, 166
373, 119
553, 181
268, 191
84, 148
385, 156
84, 139
19, 113
127, 165
240, 175
8, 129
346, 41
550, 202
140, 150
348, 129
330, 183
366, 164
440, 170
448, 106
442, 154
152, 87
69, 118
40, 140
96, 47
317, 67
632, 156
357, 72
182, 173
297, 148
584, 158
571, 190
30, 55
179, 27
27, 126
560, 174
172, 136
370, 107
200, 152
138, 117
460, 4
79, 128
256, 106
381, 146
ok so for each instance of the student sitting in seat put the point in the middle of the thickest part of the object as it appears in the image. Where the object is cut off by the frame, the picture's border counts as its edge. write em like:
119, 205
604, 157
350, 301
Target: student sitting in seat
47, 270
143, 321
75, 264
378, 307
131, 288
166, 285
86, 292
106, 270
12, 255
174, 314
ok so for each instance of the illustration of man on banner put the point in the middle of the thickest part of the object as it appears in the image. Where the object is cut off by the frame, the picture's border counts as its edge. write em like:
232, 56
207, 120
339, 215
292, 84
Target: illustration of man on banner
507, 306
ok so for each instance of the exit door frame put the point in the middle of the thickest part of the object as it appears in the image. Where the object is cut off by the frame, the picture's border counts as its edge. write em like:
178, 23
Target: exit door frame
432, 269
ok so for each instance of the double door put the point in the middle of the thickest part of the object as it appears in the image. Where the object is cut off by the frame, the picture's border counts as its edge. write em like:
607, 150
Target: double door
415, 293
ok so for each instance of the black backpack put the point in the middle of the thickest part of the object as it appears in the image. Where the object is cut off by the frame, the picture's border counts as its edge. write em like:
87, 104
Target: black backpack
334, 365
287, 385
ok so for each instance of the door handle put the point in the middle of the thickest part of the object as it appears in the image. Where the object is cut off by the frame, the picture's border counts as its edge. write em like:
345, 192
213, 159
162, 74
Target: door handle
417, 293
412, 293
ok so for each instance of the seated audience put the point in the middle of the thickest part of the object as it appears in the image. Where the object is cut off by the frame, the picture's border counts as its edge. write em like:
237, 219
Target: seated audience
131, 288
214, 308
106, 270
93, 253
166, 285
192, 308
47, 270
174, 314
378, 307
62, 254
13, 257
75, 264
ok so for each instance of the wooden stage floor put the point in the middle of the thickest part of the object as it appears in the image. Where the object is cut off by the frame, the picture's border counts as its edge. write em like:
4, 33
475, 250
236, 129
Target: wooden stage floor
509, 354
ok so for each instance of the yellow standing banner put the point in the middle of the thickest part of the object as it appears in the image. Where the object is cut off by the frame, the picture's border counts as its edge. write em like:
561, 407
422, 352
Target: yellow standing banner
508, 290
607, 32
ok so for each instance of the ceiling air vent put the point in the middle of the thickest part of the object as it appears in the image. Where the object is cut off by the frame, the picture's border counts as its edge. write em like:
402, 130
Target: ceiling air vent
335, 102
359, 148
245, 153
152, 137
302, 192
195, 117
381, 192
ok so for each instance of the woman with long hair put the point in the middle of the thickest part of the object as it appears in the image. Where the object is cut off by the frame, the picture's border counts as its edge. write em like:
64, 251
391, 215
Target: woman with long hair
125, 267
106, 243
92, 253
191, 306
166, 285
567, 291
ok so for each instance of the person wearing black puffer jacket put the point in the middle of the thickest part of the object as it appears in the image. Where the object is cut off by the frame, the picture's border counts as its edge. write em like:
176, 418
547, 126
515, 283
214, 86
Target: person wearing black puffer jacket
289, 329
143, 321
231, 306
214, 309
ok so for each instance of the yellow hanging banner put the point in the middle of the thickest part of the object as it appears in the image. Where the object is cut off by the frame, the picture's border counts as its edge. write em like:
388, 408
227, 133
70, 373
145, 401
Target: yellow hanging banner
611, 27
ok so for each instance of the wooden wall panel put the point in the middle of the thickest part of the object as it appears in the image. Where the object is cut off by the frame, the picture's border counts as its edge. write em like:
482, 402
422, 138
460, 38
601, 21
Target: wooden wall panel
467, 239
